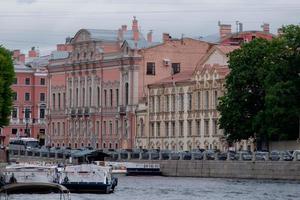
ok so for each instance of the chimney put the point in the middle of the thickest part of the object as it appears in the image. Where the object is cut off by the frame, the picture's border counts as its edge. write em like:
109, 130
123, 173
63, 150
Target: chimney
120, 34
225, 29
124, 28
149, 36
135, 29
22, 58
33, 53
166, 37
16, 53
266, 27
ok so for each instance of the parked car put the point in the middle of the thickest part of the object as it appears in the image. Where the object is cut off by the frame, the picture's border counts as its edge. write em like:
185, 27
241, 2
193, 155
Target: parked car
274, 155
186, 155
261, 155
233, 155
175, 155
222, 156
165, 154
245, 155
197, 154
286, 156
296, 154
210, 154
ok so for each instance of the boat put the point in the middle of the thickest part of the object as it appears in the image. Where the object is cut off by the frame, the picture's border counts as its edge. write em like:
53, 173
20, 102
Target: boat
87, 178
141, 169
34, 188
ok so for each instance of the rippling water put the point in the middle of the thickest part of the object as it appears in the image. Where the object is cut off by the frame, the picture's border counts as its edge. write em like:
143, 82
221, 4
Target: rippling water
171, 188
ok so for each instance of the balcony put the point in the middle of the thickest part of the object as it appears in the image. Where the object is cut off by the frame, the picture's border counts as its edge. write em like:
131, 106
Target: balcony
122, 110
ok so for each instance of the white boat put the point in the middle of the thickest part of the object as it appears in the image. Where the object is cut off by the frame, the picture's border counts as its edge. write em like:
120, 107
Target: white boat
87, 178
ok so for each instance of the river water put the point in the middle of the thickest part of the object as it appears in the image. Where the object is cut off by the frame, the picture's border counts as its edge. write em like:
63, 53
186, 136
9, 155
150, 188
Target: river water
173, 188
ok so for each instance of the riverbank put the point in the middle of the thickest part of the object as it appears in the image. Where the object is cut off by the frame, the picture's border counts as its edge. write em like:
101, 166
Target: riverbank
281, 170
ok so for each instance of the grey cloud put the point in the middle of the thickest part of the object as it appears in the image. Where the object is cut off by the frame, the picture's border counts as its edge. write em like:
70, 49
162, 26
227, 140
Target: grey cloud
26, 1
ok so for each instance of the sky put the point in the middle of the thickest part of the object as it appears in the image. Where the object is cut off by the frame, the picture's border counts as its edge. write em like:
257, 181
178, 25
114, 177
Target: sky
45, 23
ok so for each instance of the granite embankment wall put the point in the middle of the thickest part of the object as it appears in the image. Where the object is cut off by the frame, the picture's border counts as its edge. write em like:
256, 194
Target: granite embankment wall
284, 170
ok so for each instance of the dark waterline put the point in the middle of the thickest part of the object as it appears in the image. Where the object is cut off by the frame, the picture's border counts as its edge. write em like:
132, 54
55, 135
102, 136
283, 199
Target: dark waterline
175, 188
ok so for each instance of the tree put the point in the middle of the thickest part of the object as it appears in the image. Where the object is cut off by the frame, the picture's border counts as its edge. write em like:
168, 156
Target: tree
263, 89
7, 75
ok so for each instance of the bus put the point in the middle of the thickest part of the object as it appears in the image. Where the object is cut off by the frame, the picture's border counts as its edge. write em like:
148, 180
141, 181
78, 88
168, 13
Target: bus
23, 143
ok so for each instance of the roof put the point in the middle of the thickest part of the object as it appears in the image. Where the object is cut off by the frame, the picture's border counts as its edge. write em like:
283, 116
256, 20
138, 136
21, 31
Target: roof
226, 49
223, 71
42, 61
59, 55
22, 67
141, 44
111, 35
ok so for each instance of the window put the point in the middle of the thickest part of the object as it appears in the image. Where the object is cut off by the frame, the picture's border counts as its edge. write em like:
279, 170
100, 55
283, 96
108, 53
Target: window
105, 96
14, 113
14, 131
190, 101
150, 68
98, 96
181, 97
167, 129
110, 127
111, 97
158, 103
117, 97
173, 102
152, 104
189, 128
97, 128
58, 100
58, 128
199, 100
70, 98
215, 127
15, 81
206, 99
76, 97
116, 127
15, 96
173, 129
175, 68
167, 103
53, 101
64, 99
206, 128
198, 127
141, 127
27, 96
126, 93
152, 129
42, 81
216, 99
83, 97
27, 113
42, 113
104, 128
42, 97
181, 128
158, 129
90, 96
27, 81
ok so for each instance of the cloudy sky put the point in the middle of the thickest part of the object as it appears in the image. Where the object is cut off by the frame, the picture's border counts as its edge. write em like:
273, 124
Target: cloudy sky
44, 23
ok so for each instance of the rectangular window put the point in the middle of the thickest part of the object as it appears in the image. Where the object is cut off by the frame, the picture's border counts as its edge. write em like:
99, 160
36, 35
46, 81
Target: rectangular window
173, 129
206, 99
198, 127
110, 127
158, 104
58, 128
158, 129
58, 100
190, 101
42, 81
152, 129
215, 127
27, 96
42, 113
14, 113
117, 127
181, 97
105, 96
199, 100
97, 128
15, 96
104, 128
117, 97
53, 101
206, 128
173, 103
216, 99
42, 97
27, 113
181, 128
167, 129
152, 104
175, 68
27, 81
189, 128
167, 103
111, 97
150, 68
14, 131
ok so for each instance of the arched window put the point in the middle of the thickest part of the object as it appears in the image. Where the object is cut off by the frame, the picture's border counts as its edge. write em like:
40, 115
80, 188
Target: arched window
90, 96
98, 96
126, 93
83, 97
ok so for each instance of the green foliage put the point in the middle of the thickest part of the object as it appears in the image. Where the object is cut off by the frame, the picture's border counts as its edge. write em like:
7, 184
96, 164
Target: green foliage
6, 79
263, 89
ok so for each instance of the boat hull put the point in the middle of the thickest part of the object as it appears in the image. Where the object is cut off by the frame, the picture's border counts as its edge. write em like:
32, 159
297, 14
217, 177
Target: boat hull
82, 187
143, 172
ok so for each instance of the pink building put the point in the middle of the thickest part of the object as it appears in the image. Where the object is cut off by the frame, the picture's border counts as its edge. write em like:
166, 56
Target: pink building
98, 81
30, 100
